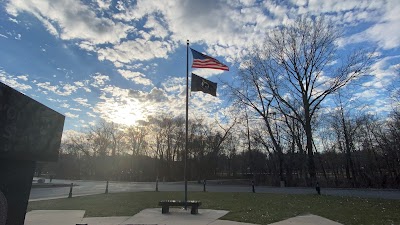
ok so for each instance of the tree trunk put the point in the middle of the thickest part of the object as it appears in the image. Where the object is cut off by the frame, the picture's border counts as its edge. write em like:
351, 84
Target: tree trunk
311, 163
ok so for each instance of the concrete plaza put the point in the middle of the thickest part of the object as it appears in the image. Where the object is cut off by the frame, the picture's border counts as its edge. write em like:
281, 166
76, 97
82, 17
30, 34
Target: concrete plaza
154, 216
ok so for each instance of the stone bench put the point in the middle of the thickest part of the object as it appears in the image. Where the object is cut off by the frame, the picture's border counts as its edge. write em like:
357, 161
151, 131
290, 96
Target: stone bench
165, 204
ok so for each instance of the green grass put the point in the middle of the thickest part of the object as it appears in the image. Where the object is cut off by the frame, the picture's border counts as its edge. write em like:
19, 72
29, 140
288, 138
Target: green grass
245, 207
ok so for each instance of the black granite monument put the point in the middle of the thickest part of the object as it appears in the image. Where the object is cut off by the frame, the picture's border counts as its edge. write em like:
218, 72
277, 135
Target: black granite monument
29, 132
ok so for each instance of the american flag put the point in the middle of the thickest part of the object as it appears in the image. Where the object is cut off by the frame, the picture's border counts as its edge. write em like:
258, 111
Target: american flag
204, 61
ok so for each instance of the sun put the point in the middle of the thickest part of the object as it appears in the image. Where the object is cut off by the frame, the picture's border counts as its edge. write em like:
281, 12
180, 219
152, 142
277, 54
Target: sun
128, 114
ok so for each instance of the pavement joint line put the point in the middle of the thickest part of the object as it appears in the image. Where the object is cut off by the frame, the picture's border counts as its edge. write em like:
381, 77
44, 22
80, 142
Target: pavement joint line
61, 197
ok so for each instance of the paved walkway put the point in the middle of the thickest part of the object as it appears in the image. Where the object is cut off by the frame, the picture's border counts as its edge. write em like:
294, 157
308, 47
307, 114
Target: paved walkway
97, 187
155, 217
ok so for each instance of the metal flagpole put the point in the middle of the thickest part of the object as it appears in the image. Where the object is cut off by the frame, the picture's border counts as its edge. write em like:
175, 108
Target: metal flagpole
187, 116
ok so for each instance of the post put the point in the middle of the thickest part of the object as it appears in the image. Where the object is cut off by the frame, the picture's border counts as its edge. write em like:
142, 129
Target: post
70, 191
204, 185
318, 188
106, 188
157, 184
187, 118
252, 185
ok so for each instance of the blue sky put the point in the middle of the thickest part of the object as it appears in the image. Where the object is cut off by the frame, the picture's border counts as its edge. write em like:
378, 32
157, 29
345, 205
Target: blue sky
124, 60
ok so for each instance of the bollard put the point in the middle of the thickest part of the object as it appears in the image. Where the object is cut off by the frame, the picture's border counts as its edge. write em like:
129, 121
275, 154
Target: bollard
106, 188
157, 184
252, 185
70, 191
204, 185
318, 188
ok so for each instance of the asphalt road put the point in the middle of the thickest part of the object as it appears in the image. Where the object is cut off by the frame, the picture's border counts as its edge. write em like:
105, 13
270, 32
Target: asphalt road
98, 187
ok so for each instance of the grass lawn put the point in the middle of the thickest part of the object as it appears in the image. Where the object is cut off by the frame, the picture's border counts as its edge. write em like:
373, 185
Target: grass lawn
257, 208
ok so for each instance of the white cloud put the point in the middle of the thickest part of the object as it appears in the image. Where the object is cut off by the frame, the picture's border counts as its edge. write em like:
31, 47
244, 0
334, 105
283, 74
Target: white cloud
75, 20
384, 72
157, 29
82, 101
136, 50
83, 85
69, 88
99, 80
127, 106
118, 106
23, 77
88, 46
13, 20
66, 90
120, 6
175, 85
228, 26
341, 7
71, 115
156, 95
91, 114
13, 81
104, 4
207, 72
381, 32
367, 94
136, 77
225, 23
65, 105
67, 134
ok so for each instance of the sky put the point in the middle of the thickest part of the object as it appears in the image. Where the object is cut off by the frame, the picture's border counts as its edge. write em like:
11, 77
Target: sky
122, 61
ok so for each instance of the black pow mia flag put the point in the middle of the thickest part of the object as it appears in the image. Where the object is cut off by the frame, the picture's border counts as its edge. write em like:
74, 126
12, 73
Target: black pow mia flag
204, 85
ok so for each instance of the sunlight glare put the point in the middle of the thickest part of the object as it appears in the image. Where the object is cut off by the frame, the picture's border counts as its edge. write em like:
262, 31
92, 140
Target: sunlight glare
128, 114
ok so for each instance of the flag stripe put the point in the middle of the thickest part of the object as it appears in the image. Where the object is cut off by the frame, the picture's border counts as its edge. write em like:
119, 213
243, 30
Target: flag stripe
203, 61
208, 63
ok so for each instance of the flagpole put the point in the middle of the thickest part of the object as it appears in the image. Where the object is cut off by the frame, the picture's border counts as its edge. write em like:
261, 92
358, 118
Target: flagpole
187, 116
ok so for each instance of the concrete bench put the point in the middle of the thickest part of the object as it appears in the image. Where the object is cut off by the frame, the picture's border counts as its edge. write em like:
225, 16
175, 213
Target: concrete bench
165, 204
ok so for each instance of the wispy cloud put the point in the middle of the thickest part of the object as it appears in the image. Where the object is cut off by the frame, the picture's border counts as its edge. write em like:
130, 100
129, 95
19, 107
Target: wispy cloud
90, 114
82, 101
99, 80
74, 20
71, 115
14, 81
84, 85
65, 90
207, 72
136, 77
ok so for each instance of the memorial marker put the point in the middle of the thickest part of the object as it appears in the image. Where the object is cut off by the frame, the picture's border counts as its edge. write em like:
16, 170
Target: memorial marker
29, 132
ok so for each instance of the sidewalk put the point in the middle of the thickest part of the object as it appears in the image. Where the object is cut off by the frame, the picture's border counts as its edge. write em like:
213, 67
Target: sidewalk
154, 216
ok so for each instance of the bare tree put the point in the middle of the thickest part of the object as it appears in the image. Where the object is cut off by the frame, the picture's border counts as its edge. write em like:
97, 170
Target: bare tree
297, 68
135, 138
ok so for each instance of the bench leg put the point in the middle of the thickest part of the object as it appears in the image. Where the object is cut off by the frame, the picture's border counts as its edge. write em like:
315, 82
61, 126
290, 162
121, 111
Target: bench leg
165, 209
195, 210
